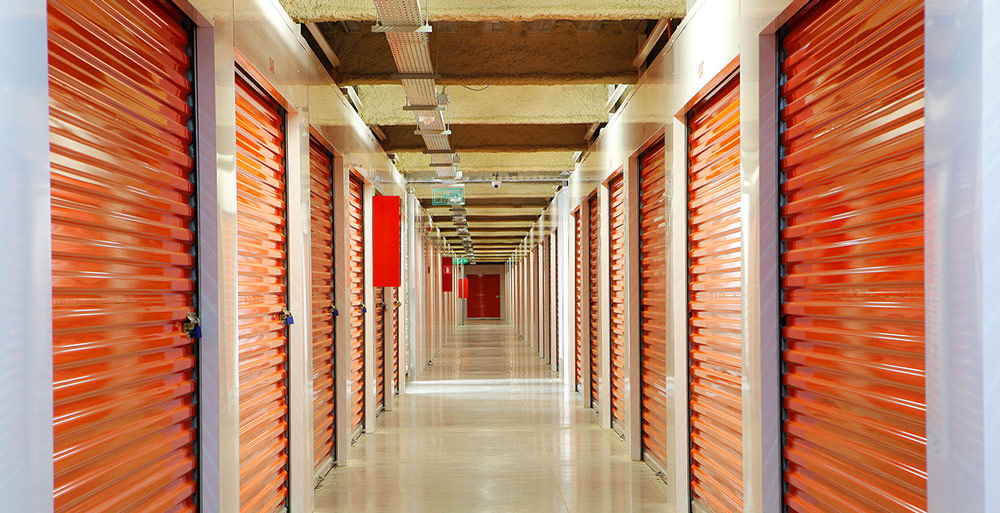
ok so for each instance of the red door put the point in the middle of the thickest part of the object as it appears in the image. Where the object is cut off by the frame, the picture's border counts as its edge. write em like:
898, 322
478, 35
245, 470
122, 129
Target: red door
123, 259
484, 296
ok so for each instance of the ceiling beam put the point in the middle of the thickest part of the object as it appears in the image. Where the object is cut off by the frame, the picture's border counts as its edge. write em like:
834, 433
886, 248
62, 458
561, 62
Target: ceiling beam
551, 161
525, 104
512, 56
495, 138
488, 10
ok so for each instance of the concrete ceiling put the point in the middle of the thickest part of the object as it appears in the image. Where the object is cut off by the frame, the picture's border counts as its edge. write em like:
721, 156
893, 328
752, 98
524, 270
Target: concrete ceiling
528, 83
487, 10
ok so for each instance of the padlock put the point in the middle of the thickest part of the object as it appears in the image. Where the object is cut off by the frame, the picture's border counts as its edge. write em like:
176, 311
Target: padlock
364, 309
333, 310
192, 326
286, 317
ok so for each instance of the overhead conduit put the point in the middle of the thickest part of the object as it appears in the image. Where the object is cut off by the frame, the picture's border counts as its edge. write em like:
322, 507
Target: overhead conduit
406, 30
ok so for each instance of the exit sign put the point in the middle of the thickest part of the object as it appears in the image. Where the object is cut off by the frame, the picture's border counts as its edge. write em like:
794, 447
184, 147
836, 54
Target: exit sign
460, 261
448, 196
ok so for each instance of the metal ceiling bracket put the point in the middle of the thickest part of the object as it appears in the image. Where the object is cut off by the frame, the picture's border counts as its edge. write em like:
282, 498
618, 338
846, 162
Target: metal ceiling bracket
382, 29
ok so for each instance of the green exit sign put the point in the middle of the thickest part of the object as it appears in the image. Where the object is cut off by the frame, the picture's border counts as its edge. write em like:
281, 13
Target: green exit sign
448, 196
460, 261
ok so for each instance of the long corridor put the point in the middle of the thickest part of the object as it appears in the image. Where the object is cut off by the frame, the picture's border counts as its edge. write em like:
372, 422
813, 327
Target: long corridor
489, 428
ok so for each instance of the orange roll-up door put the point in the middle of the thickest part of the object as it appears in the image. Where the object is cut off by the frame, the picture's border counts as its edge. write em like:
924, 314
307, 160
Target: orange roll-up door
593, 204
379, 349
356, 252
853, 258
715, 341
555, 298
263, 340
653, 302
617, 287
578, 312
321, 215
125, 394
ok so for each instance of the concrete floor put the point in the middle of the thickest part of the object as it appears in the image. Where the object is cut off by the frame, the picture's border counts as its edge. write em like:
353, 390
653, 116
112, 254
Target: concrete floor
489, 429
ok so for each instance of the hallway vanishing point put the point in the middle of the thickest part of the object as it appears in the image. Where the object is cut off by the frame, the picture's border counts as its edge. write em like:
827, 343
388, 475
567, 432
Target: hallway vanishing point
488, 428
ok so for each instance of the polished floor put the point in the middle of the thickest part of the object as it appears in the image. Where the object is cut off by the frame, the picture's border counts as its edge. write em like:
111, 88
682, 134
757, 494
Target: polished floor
488, 428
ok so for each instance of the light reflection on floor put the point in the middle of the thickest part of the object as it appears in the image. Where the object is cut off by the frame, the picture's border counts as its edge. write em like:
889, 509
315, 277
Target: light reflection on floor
489, 428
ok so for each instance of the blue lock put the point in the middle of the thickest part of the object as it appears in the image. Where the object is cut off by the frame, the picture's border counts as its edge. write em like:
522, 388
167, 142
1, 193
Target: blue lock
286, 317
191, 326
334, 311
364, 309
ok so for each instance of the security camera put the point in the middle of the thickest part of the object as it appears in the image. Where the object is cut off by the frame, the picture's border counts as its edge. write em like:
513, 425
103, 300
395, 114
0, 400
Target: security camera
495, 182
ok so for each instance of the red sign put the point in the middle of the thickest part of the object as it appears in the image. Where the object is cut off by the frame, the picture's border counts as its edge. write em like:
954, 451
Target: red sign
385, 241
463, 288
446, 274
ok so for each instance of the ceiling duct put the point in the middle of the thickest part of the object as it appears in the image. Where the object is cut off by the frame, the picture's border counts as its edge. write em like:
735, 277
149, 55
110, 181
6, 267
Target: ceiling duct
406, 28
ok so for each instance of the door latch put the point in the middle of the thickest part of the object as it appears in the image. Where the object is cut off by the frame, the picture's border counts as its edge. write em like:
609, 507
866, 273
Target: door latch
191, 326
286, 317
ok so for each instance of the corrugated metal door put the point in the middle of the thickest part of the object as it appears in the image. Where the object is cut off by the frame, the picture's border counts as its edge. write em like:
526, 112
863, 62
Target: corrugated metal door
578, 312
853, 258
593, 204
616, 210
356, 252
263, 340
714, 358
379, 348
122, 257
555, 299
653, 302
321, 212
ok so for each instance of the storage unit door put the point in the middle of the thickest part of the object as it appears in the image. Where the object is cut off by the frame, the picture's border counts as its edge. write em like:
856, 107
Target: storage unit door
395, 339
263, 340
593, 204
379, 349
715, 341
122, 258
555, 298
653, 303
578, 295
853, 258
356, 254
321, 217
617, 287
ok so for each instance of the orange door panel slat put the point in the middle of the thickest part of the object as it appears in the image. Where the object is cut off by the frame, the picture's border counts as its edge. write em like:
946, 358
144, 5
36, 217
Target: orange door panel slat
263, 357
652, 302
356, 252
578, 312
616, 210
122, 191
714, 308
594, 206
323, 329
853, 258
